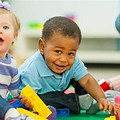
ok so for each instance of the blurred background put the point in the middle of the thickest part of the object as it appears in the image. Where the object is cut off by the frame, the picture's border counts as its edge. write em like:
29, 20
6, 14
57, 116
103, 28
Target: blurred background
100, 47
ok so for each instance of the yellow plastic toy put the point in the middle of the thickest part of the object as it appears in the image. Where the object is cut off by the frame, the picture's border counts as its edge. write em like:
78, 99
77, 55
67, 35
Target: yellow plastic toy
30, 114
38, 105
110, 118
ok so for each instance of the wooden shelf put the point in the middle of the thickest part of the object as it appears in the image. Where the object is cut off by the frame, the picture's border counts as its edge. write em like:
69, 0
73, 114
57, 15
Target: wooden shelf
100, 56
93, 49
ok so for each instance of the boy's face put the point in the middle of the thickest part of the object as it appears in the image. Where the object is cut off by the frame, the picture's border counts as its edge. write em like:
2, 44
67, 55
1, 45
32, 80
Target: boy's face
7, 35
59, 52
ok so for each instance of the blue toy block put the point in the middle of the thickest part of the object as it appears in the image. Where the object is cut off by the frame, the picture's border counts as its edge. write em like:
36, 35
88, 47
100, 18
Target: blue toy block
17, 104
63, 112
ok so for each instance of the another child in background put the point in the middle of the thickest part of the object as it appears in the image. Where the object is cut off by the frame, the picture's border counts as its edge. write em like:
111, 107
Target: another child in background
9, 80
114, 85
113, 82
50, 70
117, 23
111, 87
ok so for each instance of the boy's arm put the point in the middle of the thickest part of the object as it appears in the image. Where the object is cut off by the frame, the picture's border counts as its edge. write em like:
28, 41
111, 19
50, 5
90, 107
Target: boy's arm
93, 88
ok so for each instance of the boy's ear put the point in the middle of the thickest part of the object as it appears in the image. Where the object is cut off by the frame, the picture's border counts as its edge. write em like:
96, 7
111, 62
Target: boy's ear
41, 45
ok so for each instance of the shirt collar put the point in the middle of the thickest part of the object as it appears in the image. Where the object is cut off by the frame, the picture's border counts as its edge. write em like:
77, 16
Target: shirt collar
6, 60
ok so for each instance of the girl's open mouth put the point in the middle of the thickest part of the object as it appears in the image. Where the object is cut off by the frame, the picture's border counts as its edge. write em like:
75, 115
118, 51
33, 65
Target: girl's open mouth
1, 41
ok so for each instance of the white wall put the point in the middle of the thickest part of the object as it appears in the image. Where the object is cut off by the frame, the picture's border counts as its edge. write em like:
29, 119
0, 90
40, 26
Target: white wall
95, 17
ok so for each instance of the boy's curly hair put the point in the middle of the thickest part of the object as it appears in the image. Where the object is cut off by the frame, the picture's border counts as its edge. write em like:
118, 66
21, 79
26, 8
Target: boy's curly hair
63, 25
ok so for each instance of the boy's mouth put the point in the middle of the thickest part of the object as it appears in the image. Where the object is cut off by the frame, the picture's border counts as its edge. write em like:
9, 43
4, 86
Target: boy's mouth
60, 67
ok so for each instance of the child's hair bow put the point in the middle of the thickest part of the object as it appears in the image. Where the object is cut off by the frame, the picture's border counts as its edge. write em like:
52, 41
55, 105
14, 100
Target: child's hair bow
4, 5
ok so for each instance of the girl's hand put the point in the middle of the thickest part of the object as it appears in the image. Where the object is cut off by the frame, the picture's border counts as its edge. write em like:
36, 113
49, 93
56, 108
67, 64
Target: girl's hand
105, 104
26, 102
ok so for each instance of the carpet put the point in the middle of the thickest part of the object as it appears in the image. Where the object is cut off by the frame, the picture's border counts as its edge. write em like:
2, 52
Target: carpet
83, 116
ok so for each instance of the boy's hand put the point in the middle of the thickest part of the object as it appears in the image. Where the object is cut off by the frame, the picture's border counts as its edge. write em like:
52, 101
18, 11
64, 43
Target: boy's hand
26, 102
105, 104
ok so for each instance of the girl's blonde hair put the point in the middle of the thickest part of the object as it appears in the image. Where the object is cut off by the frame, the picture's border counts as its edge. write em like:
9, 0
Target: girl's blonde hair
15, 20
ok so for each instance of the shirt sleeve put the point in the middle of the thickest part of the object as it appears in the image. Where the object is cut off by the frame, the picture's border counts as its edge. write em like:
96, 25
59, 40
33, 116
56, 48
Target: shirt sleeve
15, 81
14, 85
79, 69
30, 76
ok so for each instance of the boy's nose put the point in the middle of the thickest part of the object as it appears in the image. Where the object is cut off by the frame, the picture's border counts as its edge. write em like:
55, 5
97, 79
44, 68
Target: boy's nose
63, 58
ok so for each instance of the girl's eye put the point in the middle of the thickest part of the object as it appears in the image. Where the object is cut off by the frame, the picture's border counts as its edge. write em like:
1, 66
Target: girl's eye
5, 27
58, 51
71, 54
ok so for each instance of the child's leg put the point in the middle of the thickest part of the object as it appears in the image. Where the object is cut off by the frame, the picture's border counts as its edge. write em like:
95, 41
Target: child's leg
4, 107
93, 108
7, 112
12, 112
85, 99
71, 101
61, 100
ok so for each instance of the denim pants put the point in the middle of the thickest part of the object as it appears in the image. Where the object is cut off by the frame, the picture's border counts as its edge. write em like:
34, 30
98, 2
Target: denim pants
4, 107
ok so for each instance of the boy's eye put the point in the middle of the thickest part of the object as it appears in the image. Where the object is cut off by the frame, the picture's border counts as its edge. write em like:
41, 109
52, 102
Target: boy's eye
58, 51
5, 27
71, 54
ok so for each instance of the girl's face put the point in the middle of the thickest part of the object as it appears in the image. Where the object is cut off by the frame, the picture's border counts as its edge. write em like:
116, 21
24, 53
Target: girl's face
7, 34
59, 52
